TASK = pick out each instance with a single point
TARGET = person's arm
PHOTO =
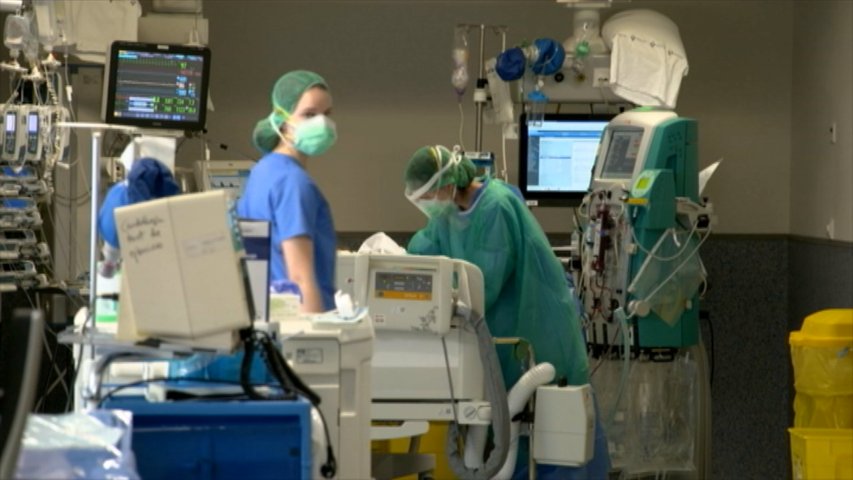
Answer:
(425, 241)
(298, 253)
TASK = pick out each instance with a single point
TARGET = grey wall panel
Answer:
(820, 276)
(748, 304)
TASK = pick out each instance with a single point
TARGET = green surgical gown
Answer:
(527, 294)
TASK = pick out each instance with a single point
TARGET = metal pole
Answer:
(93, 227)
(478, 127)
(73, 172)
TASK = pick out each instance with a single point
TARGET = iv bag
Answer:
(17, 32)
(459, 77)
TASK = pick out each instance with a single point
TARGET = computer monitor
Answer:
(556, 158)
(156, 86)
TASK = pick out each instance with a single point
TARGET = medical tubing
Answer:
(51, 92)
(650, 254)
(676, 269)
(517, 399)
(461, 125)
(475, 445)
(670, 231)
(503, 175)
(626, 357)
(495, 395)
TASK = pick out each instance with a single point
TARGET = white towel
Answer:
(381, 243)
(97, 23)
(645, 72)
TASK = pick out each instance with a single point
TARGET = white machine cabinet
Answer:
(333, 359)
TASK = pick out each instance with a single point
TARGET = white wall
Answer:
(388, 65)
(822, 172)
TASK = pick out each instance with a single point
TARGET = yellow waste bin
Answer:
(822, 453)
(433, 442)
(822, 355)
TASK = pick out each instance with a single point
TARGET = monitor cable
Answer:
(289, 381)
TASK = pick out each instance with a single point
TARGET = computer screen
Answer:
(556, 158)
(622, 151)
(157, 86)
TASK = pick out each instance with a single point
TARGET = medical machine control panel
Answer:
(403, 286)
(10, 128)
(223, 175)
(33, 135)
(409, 293)
(411, 297)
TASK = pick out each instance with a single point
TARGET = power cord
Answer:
(289, 381)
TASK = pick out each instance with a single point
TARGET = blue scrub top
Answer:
(281, 192)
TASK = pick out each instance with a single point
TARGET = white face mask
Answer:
(313, 136)
(434, 207)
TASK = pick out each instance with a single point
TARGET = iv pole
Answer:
(480, 96)
(97, 135)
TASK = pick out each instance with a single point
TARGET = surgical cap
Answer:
(428, 161)
(285, 95)
(148, 179)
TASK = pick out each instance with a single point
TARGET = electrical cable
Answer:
(450, 382)
(290, 383)
(226, 147)
(64, 250)
(48, 386)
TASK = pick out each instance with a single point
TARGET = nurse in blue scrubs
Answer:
(280, 190)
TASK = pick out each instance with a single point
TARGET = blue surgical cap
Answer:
(149, 179)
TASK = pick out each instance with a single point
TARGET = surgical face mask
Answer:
(434, 207)
(313, 136)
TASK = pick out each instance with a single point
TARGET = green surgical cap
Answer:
(427, 161)
(285, 95)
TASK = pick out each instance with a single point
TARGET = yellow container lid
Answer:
(826, 328)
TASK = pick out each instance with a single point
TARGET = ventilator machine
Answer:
(434, 360)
